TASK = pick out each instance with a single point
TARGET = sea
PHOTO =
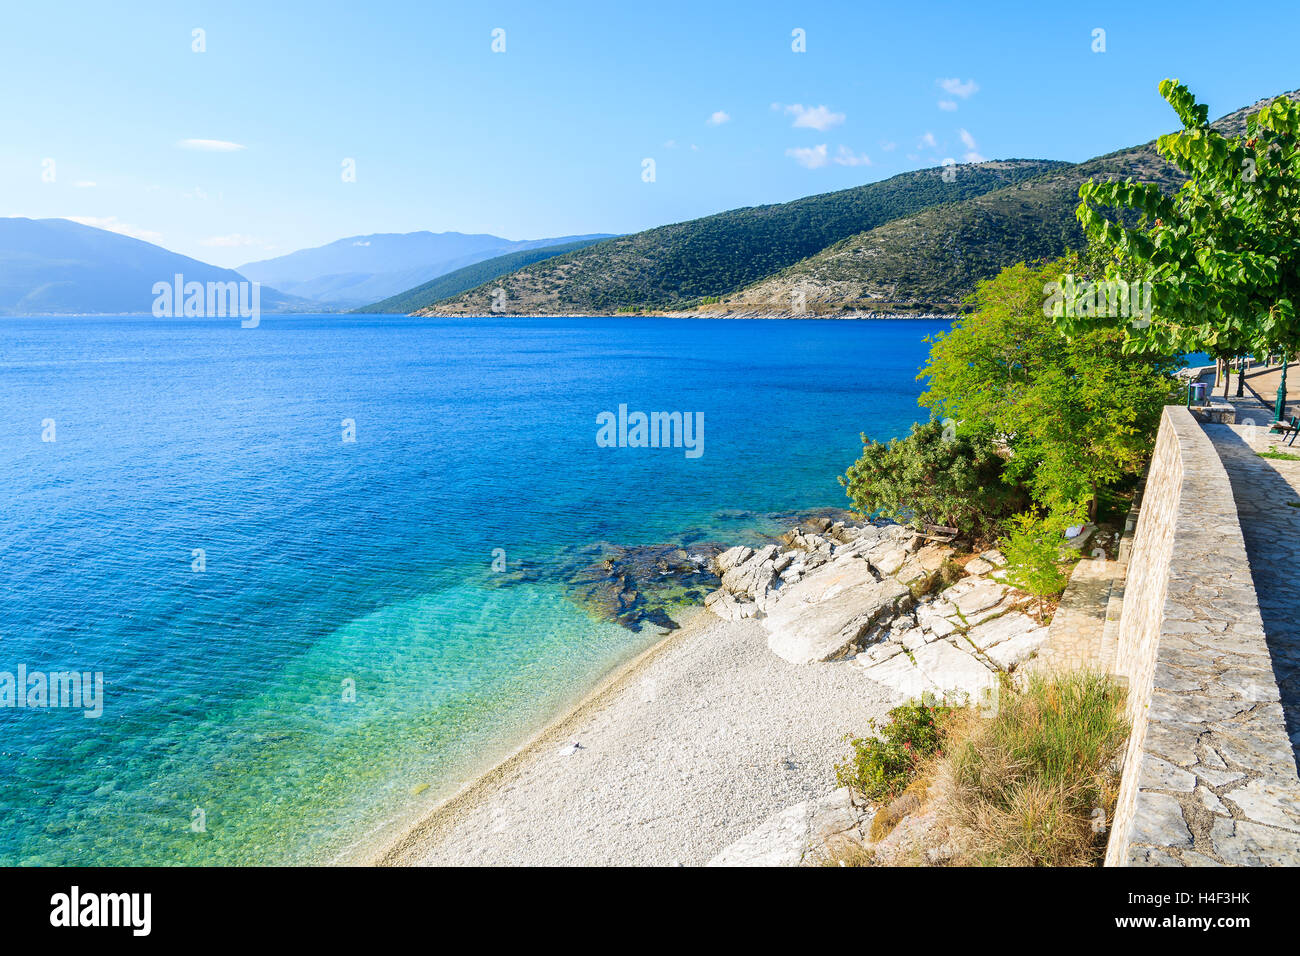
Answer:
(284, 553)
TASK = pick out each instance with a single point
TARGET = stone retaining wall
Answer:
(1207, 717)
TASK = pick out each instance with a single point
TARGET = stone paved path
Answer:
(1079, 638)
(1267, 494)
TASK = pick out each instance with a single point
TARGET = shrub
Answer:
(1036, 784)
(884, 765)
(1033, 552)
(936, 475)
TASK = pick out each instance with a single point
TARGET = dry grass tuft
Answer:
(1036, 784)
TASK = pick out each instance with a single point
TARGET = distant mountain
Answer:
(359, 270)
(454, 283)
(674, 266)
(60, 266)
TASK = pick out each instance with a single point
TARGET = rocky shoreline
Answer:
(718, 744)
(912, 613)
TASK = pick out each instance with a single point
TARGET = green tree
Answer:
(1034, 555)
(1075, 412)
(1223, 253)
(934, 476)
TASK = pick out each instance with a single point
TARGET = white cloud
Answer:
(889, 147)
(948, 105)
(211, 145)
(111, 224)
(85, 184)
(955, 87)
(671, 144)
(718, 118)
(927, 141)
(813, 157)
(972, 151)
(846, 157)
(819, 118)
(233, 241)
(361, 243)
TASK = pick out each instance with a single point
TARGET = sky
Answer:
(297, 124)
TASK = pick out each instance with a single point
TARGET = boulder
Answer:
(955, 672)
(941, 627)
(932, 557)
(1000, 629)
(807, 632)
(887, 558)
(899, 674)
(730, 607)
(808, 833)
(732, 557)
(984, 595)
(1014, 651)
(978, 566)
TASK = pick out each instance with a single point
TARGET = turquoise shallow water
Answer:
(333, 565)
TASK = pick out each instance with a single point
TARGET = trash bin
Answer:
(1197, 393)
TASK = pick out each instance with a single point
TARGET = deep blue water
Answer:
(333, 564)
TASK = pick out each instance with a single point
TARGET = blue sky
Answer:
(549, 137)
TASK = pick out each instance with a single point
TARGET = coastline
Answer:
(684, 749)
(756, 314)
(396, 851)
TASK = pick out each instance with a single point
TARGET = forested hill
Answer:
(672, 266)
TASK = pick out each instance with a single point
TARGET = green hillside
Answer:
(931, 260)
(673, 266)
(462, 280)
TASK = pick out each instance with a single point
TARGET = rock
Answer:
(932, 557)
(755, 578)
(941, 627)
(978, 566)
(955, 672)
(882, 652)
(900, 675)
(914, 639)
(728, 606)
(1013, 652)
(807, 633)
(981, 597)
(732, 557)
(999, 629)
(887, 560)
(994, 557)
(807, 833)
(1007, 604)
(911, 572)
